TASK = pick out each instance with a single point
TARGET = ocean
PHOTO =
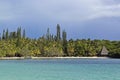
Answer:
(60, 69)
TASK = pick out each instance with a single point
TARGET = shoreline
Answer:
(22, 58)
(69, 57)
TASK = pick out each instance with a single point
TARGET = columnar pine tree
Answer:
(3, 35)
(0, 36)
(58, 33)
(24, 34)
(7, 34)
(64, 37)
(19, 32)
(48, 34)
(18, 37)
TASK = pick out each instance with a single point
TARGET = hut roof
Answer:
(104, 51)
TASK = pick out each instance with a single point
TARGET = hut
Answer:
(104, 51)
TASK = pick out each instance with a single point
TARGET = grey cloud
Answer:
(62, 10)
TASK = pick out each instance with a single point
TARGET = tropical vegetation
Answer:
(16, 44)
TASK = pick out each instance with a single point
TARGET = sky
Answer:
(95, 19)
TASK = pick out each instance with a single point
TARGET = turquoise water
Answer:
(60, 69)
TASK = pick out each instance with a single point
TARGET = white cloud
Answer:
(106, 11)
(62, 10)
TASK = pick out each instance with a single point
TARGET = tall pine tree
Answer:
(24, 34)
(64, 37)
(7, 34)
(3, 35)
(58, 33)
(48, 34)
(19, 32)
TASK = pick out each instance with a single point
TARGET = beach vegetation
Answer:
(17, 44)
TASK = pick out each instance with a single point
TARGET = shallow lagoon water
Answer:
(60, 69)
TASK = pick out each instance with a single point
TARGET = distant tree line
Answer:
(16, 44)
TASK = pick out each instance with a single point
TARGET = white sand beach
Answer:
(19, 58)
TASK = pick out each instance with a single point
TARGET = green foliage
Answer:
(70, 47)
(16, 44)
(115, 53)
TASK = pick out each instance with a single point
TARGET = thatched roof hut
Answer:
(104, 51)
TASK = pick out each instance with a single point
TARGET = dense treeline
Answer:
(16, 44)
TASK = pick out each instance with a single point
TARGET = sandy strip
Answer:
(11, 58)
(69, 57)
(19, 58)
